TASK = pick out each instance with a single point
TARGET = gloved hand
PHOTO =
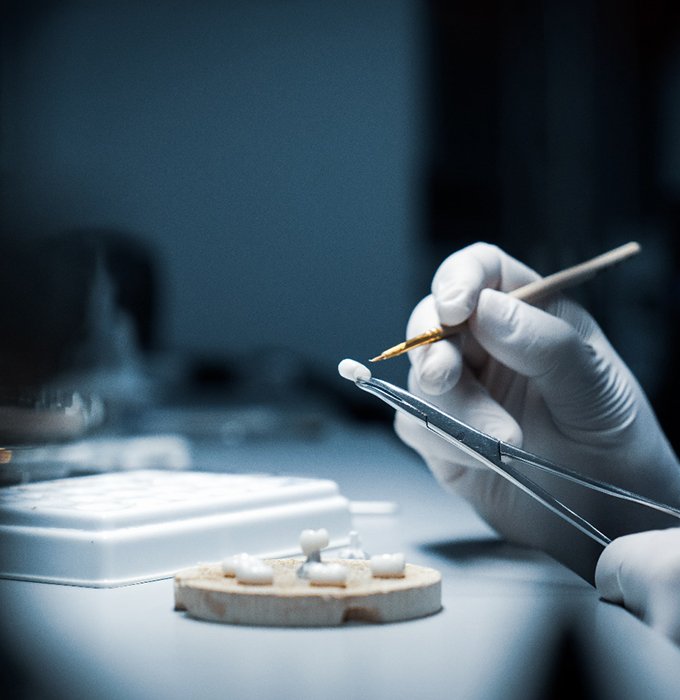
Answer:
(544, 379)
(642, 572)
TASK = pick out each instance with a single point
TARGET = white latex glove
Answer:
(642, 572)
(547, 380)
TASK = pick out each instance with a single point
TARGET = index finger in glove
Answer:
(460, 278)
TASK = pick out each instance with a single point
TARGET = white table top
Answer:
(505, 614)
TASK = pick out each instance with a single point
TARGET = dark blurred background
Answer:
(270, 184)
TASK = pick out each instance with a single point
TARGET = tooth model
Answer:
(311, 544)
(387, 565)
(254, 572)
(229, 564)
(327, 574)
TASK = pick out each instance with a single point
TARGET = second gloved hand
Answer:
(544, 379)
(642, 572)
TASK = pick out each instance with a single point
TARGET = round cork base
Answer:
(206, 593)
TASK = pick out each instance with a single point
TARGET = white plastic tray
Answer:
(127, 527)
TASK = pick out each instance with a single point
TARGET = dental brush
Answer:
(532, 292)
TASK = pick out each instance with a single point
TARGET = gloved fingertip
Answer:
(436, 380)
(438, 370)
(436, 367)
(454, 304)
(446, 472)
(607, 570)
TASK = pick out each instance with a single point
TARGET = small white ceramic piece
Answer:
(387, 565)
(320, 574)
(354, 550)
(354, 371)
(254, 571)
(311, 544)
(313, 540)
(230, 563)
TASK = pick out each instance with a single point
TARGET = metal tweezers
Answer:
(491, 452)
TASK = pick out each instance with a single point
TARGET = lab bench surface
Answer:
(514, 623)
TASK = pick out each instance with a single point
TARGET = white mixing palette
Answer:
(127, 527)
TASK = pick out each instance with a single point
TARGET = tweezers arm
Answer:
(479, 445)
(533, 460)
(537, 492)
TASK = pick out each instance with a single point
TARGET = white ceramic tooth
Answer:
(313, 540)
(353, 370)
(254, 571)
(230, 563)
(387, 565)
(327, 574)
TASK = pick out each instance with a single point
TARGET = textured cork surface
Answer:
(205, 593)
